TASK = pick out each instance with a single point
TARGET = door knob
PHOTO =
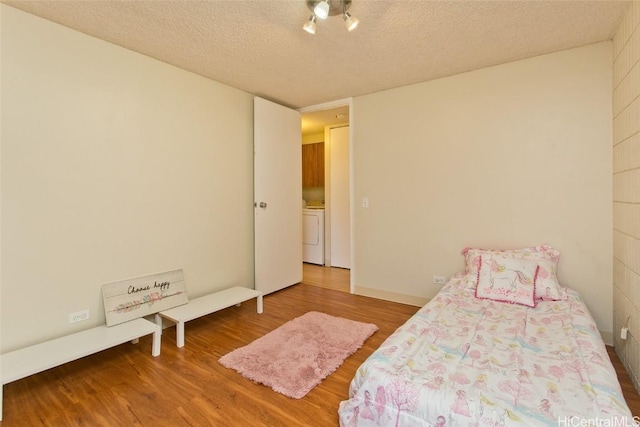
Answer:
(263, 205)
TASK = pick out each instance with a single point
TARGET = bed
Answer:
(502, 344)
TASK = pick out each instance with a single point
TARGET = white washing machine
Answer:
(313, 236)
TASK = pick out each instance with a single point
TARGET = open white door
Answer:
(277, 195)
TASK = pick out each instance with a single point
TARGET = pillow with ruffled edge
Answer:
(535, 252)
(549, 288)
(507, 279)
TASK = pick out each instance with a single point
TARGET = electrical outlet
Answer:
(623, 333)
(79, 316)
(439, 280)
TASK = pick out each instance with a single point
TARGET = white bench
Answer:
(31, 360)
(205, 305)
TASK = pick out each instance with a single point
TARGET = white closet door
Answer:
(340, 197)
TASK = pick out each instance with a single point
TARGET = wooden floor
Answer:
(338, 279)
(628, 390)
(125, 386)
(188, 387)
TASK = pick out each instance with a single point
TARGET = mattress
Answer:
(463, 361)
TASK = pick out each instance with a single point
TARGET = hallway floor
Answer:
(337, 279)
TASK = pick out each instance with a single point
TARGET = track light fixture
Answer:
(350, 21)
(310, 25)
(322, 9)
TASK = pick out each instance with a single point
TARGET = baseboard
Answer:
(391, 296)
(607, 337)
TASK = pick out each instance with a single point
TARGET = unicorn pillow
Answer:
(507, 279)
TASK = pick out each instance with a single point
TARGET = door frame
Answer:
(327, 106)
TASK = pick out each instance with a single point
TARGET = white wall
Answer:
(508, 156)
(626, 189)
(114, 165)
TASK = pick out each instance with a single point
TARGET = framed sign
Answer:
(129, 299)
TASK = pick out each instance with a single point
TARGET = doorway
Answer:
(317, 125)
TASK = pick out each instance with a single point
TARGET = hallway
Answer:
(337, 279)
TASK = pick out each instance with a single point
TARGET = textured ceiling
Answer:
(259, 46)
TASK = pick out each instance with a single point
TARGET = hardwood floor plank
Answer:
(125, 386)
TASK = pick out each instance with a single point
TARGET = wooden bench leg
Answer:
(158, 319)
(180, 334)
(259, 304)
(157, 340)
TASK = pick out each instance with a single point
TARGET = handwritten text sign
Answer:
(142, 296)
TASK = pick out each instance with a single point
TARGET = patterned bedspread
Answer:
(461, 361)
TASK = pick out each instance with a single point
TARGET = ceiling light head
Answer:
(350, 22)
(310, 25)
(321, 10)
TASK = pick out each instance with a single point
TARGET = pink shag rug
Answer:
(298, 355)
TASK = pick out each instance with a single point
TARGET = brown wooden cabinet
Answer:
(313, 165)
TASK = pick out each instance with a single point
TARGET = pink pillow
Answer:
(507, 279)
(547, 286)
